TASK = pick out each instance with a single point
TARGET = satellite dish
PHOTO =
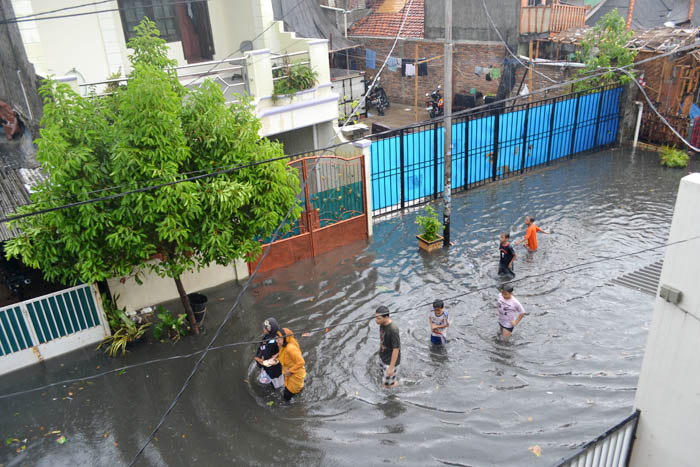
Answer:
(246, 46)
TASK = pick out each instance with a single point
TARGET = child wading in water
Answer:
(508, 255)
(510, 311)
(439, 323)
(530, 238)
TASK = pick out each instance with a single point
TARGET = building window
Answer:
(161, 12)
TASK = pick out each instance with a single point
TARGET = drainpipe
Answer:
(639, 122)
(345, 16)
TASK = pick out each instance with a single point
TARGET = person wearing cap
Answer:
(510, 311)
(293, 364)
(530, 237)
(389, 347)
(439, 322)
(267, 350)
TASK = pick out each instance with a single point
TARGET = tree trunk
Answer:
(186, 305)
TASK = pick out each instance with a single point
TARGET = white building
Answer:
(88, 45)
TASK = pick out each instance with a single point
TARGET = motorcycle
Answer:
(435, 103)
(378, 98)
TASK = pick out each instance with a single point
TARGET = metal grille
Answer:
(492, 143)
(645, 280)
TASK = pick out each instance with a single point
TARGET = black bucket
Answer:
(198, 302)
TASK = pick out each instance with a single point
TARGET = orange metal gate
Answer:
(334, 200)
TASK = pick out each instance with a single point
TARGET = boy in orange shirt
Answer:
(530, 238)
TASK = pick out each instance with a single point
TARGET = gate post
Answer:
(307, 211)
(364, 145)
(401, 169)
(524, 148)
(30, 325)
(436, 128)
(466, 152)
(551, 131)
(573, 133)
(100, 309)
(494, 155)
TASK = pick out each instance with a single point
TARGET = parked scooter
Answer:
(435, 103)
(378, 98)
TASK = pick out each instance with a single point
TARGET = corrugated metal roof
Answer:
(13, 193)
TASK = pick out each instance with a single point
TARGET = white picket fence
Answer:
(50, 325)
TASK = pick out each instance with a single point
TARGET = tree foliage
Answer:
(604, 48)
(151, 131)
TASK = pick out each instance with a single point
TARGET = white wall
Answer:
(668, 394)
(155, 289)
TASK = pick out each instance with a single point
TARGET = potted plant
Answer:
(124, 330)
(429, 239)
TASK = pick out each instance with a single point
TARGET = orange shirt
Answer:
(531, 236)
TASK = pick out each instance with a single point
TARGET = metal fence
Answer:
(611, 449)
(350, 86)
(488, 144)
(50, 325)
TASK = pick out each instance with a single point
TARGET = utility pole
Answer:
(447, 109)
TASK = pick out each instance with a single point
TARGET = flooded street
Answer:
(568, 374)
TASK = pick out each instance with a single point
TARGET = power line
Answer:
(345, 323)
(59, 10)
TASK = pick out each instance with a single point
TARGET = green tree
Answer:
(152, 130)
(604, 48)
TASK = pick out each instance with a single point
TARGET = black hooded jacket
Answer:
(268, 347)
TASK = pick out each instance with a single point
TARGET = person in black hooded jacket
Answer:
(266, 350)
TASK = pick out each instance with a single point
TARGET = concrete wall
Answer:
(13, 59)
(155, 289)
(668, 394)
(469, 20)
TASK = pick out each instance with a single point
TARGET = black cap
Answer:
(382, 311)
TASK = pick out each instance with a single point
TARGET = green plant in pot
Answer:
(124, 330)
(168, 326)
(429, 239)
(674, 158)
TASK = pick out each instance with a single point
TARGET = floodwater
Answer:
(568, 374)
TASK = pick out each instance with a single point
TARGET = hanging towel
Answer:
(370, 59)
(477, 71)
(404, 64)
(410, 69)
(392, 64)
(495, 73)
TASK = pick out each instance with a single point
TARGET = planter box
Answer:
(429, 246)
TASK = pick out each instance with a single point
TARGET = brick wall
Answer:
(467, 56)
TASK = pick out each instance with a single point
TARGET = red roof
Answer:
(388, 24)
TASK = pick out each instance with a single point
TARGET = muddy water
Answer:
(568, 374)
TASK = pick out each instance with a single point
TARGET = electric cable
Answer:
(347, 323)
(58, 10)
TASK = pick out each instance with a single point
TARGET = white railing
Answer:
(230, 74)
(611, 449)
(282, 64)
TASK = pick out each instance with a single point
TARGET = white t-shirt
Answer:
(438, 321)
(508, 311)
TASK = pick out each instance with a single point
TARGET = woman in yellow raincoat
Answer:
(293, 364)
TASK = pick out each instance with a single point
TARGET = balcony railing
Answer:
(611, 449)
(551, 18)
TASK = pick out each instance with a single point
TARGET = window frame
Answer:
(166, 5)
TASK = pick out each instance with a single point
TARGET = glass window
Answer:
(162, 12)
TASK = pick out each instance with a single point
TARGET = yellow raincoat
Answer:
(291, 359)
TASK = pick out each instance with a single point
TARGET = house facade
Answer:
(237, 43)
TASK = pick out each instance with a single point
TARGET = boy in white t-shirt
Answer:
(510, 311)
(439, 322)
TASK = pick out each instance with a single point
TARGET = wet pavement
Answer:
(568, 374)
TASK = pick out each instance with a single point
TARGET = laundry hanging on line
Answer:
(370, 59)
(422, 67)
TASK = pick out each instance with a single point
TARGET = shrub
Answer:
(674, 158)
(296, 78)
(429, 224)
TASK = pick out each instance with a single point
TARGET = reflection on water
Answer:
(567, 374)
